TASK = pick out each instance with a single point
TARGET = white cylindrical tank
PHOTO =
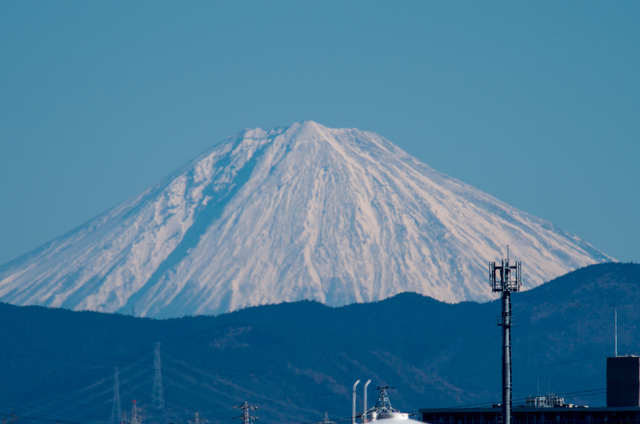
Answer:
(394, 418)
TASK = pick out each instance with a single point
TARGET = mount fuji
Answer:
(305, 212)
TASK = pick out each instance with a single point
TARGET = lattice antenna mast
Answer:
(198, 420)
(116, 411)
(506, 278)
(246, 413)
(326, 419)
(158, 392)
(383, 404)
(136, 418)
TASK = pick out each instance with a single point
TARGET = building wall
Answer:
(579, 415)
(623, 381)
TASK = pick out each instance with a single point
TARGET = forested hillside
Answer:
(296, 361)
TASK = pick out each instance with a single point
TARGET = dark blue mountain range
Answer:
(297, 360)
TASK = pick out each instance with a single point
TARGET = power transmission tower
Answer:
(124, 418)
(506, 278)
(116, 411)
(158, 392)
(14, 418)
(136, 418)
(198, 420)
(326, 419)
(246, 413)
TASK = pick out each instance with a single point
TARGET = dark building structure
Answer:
(623, 381)
(623, 404)
(533, 415)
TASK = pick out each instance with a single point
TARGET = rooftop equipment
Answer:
(383, 408)
(550, 401)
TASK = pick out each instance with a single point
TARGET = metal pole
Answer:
(507, 283)
(616, 333)
(364, 410)
(353, 415)
(506, 356)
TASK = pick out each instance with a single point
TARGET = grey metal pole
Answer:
(510, 281)
(353, 415)
(364, 410)
(506, 356)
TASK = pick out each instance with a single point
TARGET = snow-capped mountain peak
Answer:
(304, 212)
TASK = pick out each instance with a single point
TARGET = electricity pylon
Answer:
(136, 418)
(198, 420)
(246, 413)
(158, 392)
(116, 410)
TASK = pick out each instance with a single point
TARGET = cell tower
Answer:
(506, 278)
(198, 420)
(246, 413)
(116, 411)
(158, 392)
(136, 418)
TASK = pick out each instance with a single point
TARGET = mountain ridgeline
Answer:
(297, 360)
(337, 216)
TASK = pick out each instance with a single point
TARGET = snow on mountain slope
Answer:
(305, 212)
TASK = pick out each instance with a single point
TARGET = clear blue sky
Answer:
(536, 103)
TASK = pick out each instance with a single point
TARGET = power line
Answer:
(580, 393)
(144, 364)
(498, 372)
